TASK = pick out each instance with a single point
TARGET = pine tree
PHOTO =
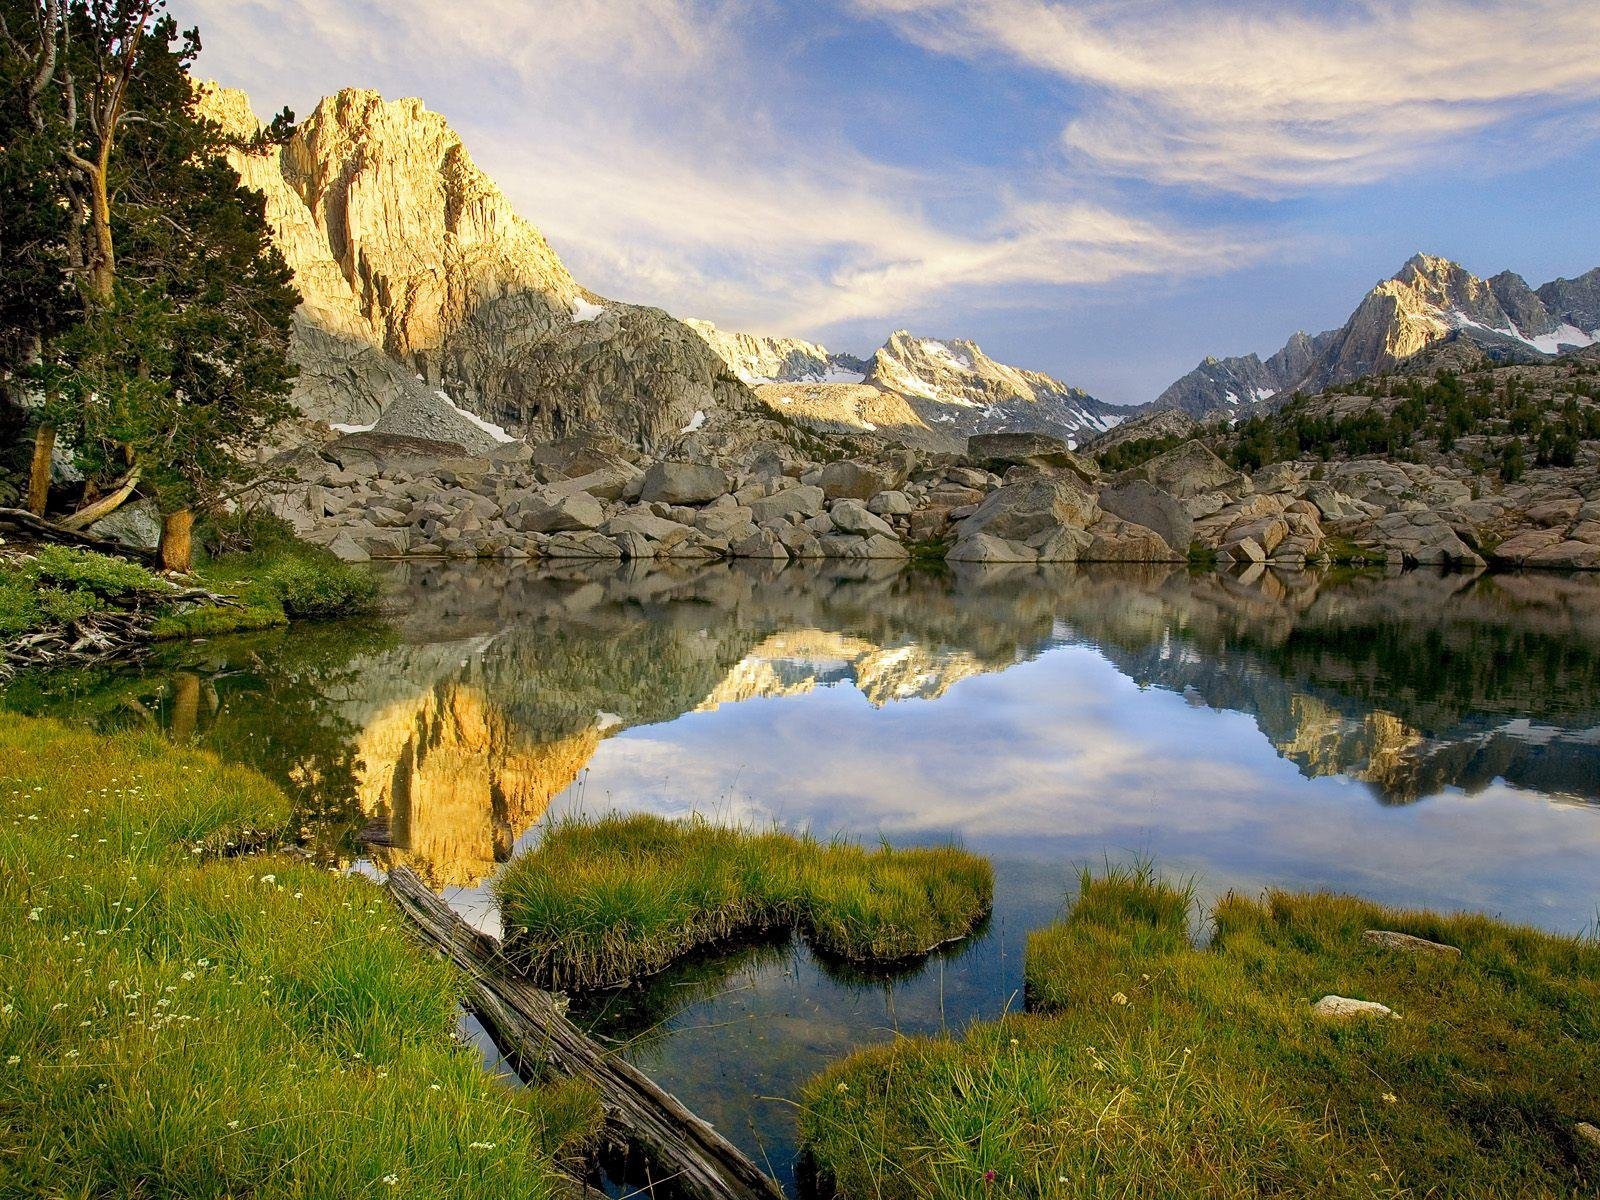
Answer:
(177, 367)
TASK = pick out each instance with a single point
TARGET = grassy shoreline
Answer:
(1148, 1066)
(93, 606)
(599, 904)
(178, 1022)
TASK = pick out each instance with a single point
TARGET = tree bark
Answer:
(44, 445)
(105, 506)
(175, 549)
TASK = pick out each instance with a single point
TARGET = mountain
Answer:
(758, 360)
(956, 385)
(916, 390)
(1429, 301)
(422, 285)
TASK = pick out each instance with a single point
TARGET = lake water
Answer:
(1421, 739)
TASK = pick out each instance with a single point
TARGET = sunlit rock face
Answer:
(457, 782)
(401, 245)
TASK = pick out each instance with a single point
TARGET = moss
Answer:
(1151, 1067)
(602, 903)
(176, 1023)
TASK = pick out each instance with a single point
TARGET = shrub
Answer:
(322, 587)
(99, 574)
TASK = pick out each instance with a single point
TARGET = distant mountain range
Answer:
(1428, 301)
(431, 308)
(949, 387)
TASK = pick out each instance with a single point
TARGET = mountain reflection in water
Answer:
(450, 734)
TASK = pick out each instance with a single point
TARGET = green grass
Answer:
(1153, 1068)
(601, 903)
(177, 1023)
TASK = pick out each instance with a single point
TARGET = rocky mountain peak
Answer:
(1430, 300)
(421, 282)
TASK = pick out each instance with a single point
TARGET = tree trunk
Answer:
(105, 506)
(102, 254)
(175, 530)
(44, 445)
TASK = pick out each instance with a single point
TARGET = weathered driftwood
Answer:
(528, 1026)
(22, 524)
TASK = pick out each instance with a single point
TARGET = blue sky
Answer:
(1103, 190)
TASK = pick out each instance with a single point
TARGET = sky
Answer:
(1106, 190)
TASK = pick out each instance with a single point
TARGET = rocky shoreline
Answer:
(1012, 498)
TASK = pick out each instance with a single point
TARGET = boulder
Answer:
(137, 524)
(802, 501)
(606, 483)
(890, 504)
(1038, 450)
(1188, 470)
(851, 516)
(1022, 510)
(849, 480)
(346, 549)
(987, 548)
(641, 522)
(683, 483)
(1143, 503)
(1116, 540)
(559, 514)
(837, 545)
(760, 544)
(581, 545)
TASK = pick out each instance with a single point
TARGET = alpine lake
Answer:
(1421, 739)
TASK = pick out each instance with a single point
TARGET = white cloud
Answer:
(640, 138)
(1273, 99)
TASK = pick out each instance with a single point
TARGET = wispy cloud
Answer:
(641, 139)
(1277, 99)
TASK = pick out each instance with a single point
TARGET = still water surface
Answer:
(1421, 739)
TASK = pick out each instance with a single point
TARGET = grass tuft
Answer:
(601, 903)
(1153, 1068)
(174, 1023)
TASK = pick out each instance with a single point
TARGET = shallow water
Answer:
(1421, 739)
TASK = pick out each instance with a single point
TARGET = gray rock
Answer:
(851, 481)
(851, 516)
(137, 524)
(1038, 450)
(1405, 941)
(1018, 511)
(577, 510)
(683, 483)
(987, 548)
(890, 504)
(802, 501)
(1143, 503)
(347, 549)
(644, 523)
(581, 545)
(1188, 470)
(760, 544)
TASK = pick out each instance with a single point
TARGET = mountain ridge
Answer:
(1429, 300)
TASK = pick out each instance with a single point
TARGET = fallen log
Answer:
(526, 1023)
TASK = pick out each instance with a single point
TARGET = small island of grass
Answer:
(602, 903)
(1153, 1068)
(178, 1022)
